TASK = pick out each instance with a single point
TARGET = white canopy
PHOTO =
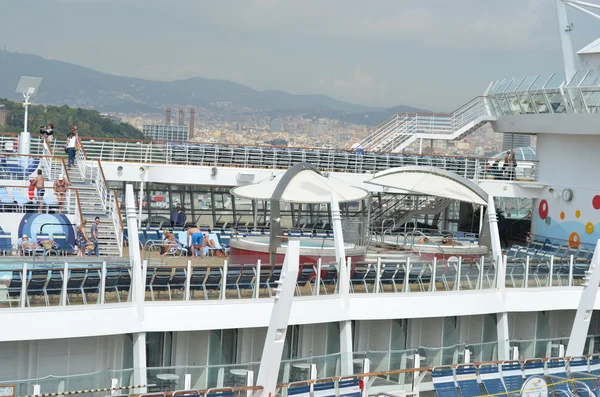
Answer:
(306, 187)
(432, 181)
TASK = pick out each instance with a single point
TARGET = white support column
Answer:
(249, 382)
(63, 291)
(268, 371)
(223, 293)
(24, 286)
(494, 233)
(188, 278)
(138, 281)
(318, 278)
(102, 294)
(564, 30)
(346, 348)
(141, 203)
(257, 279)
(583, 315)
(503, 337)
(366, 369)
(114, 383)
(340, 251)
(139, 361)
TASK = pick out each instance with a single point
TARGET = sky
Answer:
(432, 54)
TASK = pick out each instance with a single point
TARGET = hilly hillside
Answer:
(89, 122)
(65, 83)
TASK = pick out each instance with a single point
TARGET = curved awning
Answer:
(431, 181)
(306, 187)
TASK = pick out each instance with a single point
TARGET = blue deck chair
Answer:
(594, 364)
(5, 243)
(533, 367)
(557, 371)
(61, 240)
(349, 386)
(324, 388)
(466, 378)
(579, 371)
(491, 379)
(225, 392)
(297, 389)
(512, 376)
(443, 382)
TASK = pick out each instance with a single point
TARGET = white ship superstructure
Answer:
(422, 281)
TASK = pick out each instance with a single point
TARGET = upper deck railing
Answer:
(546, 93)
(275, 158)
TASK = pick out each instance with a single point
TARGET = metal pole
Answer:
(141, 203)
(564, 29)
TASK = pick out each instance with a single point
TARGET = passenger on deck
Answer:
(169, 242)
(195, 239)
(60, 188)
(181, 217)
(25, 243)
(71, 145)
(424, 240)
(40, 190)
(174, 214)
(81, 239)
(449, 242)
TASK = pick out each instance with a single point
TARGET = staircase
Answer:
(397, 209)
(401, 130)
(91, 207)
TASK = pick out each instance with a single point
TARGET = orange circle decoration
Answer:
(577, 214)
(596, 202)
(543, 209)
(574, 240)
(589, 228)
(562, 215)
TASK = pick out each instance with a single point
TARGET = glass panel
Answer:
(542, 332)
(154, 349)
(592, 79)
(513, 103)
(449, 338)
(557, 101)
(540, 82)
(514, 84)
(540, 102)
(576, 100)
(526, 103)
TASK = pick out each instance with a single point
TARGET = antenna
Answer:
(27, 86)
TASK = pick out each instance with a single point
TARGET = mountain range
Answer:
(68, 84)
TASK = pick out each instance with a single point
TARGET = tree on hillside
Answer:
(89, 122)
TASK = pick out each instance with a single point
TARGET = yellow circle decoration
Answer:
(589, 228)
(577, 214)
(562, 215)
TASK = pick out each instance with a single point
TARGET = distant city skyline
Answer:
(431, 54)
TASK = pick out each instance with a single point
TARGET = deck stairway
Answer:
(401, 130)
(397, 209)
(87, 178)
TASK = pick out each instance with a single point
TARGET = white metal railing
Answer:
(401, 130)
(215, 155)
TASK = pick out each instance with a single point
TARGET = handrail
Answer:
(66, 171)
(79, 207)
(118, 204)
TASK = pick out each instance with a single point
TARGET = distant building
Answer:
(277, 142)
(163, 132)
(510, 141)
(276, 125)
(2, 116)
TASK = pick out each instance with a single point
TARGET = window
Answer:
(158, 349)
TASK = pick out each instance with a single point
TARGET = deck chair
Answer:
(557, 374)
(579, 371)
(512, 376)
(595, 364)
(491, 379)
(443, 382)
(466, 378)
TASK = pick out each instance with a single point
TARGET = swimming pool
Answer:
(433, 246)
(252, 248)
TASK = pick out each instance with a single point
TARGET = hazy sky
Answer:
(434, 54)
